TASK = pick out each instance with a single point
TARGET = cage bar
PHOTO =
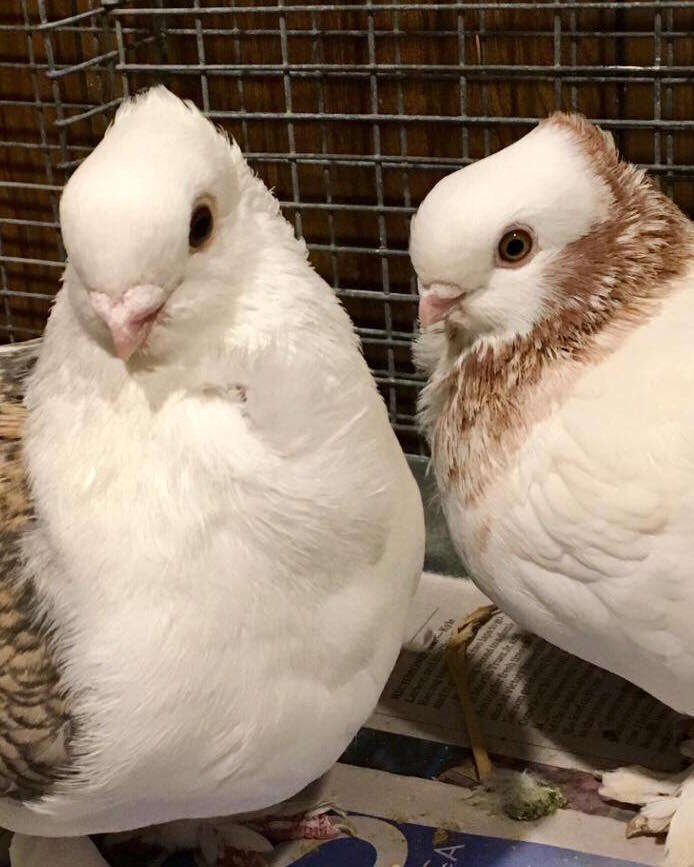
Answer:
(350, 111)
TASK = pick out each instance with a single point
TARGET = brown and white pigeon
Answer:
(557, 314)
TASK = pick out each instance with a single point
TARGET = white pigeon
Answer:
(557, 308)
(225, 533)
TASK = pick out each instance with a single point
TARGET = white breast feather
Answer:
(591, 542)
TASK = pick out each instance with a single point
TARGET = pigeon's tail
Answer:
(15, 503)
(11, 420)
(34, 719)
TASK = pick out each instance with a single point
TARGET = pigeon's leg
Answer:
(233, 842)
(214, 842)
(667, 805)
(62, 852)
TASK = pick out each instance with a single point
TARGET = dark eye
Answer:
(515, 246)
(201, 224)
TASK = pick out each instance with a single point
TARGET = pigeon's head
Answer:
(149, 222)
(487, 239)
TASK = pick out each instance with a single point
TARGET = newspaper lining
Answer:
(534, 701)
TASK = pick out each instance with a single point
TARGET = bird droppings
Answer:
(519, 795)
(528, 798)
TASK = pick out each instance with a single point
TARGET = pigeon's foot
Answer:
(323, 822)
(207, 843)
(667, 805)
(228, 842)
(64, 852)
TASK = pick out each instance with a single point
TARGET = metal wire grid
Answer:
(350, 110)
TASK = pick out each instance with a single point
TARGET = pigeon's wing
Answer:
(598, 518)
(34, 720)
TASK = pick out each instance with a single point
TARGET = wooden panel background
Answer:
(351, 113)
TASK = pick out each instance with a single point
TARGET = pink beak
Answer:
(129, 318)
(435, 302)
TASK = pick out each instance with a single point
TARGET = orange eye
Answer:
(515, 246)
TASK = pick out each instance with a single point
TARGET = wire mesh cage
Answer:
(350, 110)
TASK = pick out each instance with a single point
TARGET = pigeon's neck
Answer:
(277, 300)
(479, 407)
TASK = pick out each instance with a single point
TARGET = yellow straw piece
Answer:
(456, 658)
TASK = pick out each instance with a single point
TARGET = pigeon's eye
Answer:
(515, 246)
(201, 225)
